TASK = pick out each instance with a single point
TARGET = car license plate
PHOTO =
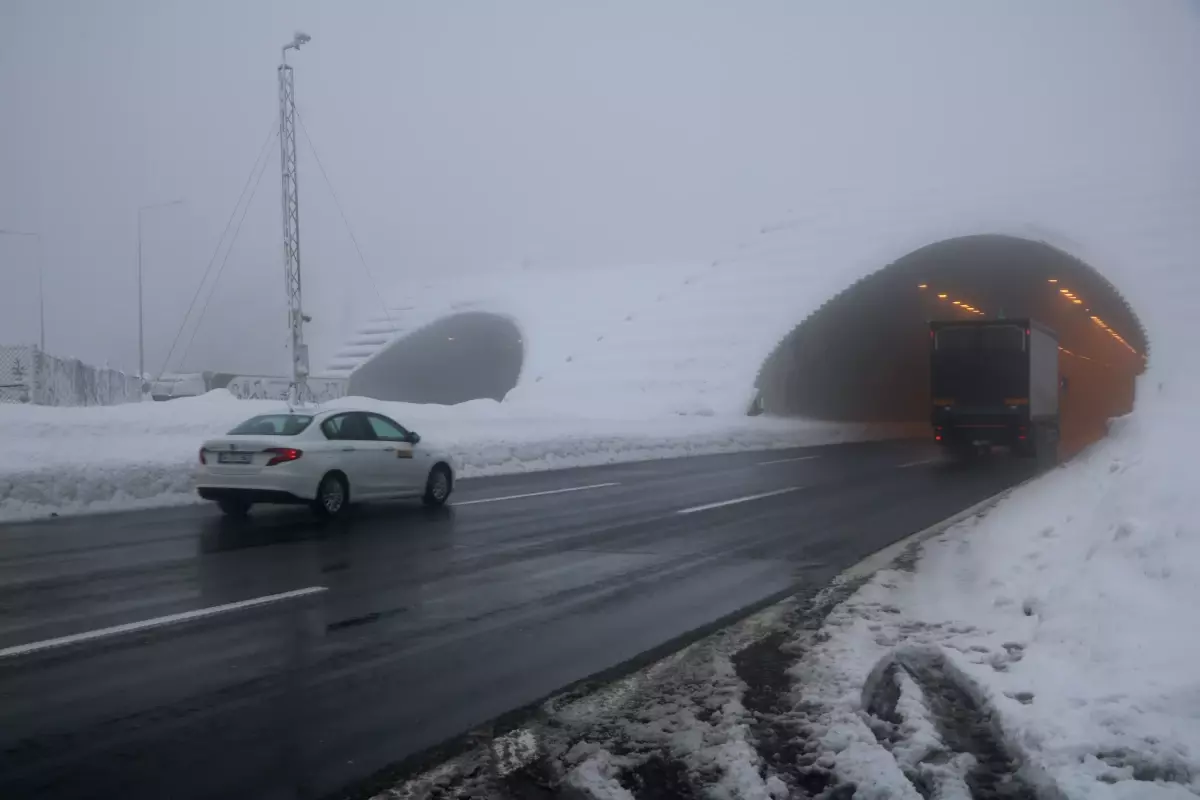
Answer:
(234, 458)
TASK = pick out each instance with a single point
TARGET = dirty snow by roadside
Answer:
(79, 460)
(1066, 610)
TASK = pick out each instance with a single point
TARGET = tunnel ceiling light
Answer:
(1052, 280)
(942, 296)
(922, 285)
(958, 302)
(1077, 301)
(1065, 291)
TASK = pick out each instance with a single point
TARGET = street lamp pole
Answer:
(41, 284)
(141, 325)
(291, 222)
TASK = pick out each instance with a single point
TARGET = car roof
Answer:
(328, 412)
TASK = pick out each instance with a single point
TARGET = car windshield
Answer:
(273, 425)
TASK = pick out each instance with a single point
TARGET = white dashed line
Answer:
(746, 499)
(918, 463)
(534, 494)
(786, 460)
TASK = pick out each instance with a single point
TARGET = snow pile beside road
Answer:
(1053, 630)
(57, 460)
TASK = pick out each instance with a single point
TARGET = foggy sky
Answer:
(477, 136)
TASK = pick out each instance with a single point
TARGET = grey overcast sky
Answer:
(468, 136)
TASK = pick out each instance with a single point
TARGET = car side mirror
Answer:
(413, 437)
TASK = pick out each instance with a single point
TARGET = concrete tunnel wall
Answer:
(863, 356)
(468, 356)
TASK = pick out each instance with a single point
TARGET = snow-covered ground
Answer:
(71, 460)
(1067, 610)
(1041, 649)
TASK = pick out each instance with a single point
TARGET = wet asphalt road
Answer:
(434, 621)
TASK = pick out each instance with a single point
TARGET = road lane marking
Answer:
(786, 460)
(918, 463)
(747, 499)
(535, 494)
(158, 622)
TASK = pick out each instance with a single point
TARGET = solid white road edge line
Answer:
(785, 460)
(534, 494)
(158, 622)
(736, 500)
(918, 463)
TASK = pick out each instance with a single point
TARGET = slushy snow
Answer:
(72, 460)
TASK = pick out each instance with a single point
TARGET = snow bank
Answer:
(58, 460)
(1065, 610)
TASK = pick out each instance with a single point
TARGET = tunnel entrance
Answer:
(864, 356)
(469, 356)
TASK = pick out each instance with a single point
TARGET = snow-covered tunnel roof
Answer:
(691, 338)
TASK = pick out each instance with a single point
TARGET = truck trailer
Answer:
(995, 382)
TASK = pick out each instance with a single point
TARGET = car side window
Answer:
(357, 428)
(385, 430)
(332, 427)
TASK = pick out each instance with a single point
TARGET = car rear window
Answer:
(273, 425)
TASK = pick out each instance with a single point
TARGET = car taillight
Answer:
(281, 455)
(203, 460)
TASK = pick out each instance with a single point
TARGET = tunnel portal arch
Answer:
(468, 356)
(863, 356)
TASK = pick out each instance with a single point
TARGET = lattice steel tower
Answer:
(291, 223)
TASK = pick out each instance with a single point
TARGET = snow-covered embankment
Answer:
(1064, 612)
(60, 460)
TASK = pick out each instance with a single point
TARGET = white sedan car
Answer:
(324, 459)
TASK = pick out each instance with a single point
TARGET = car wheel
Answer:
(333, 495)
(234, 508)
(437, 487)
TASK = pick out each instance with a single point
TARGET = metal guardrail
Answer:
(137, 708)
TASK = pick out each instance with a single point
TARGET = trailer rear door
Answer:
(980, 366)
